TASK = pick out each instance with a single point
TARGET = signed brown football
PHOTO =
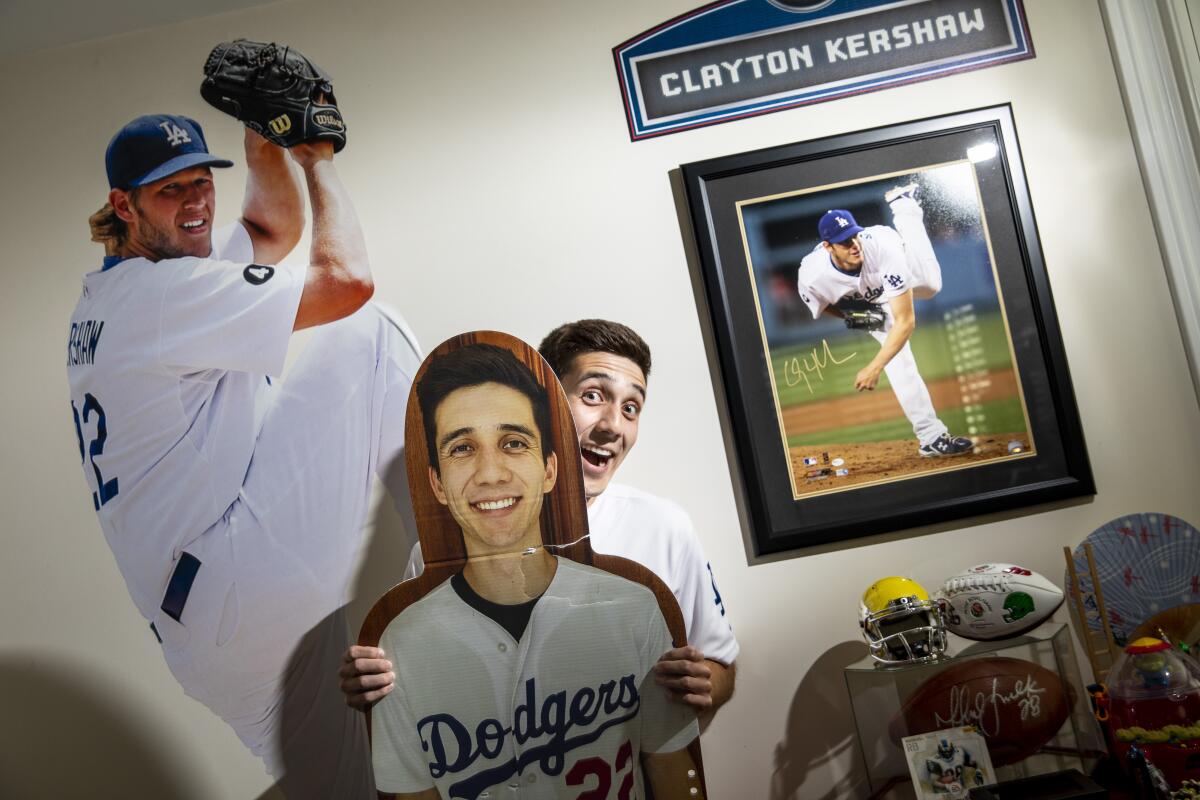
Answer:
(1017, 705)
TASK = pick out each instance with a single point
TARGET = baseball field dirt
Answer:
(885, 461)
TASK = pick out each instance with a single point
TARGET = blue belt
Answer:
(178, 589)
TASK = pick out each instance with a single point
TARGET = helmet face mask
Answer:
(900, 623)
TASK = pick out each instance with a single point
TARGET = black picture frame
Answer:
(1056, 469)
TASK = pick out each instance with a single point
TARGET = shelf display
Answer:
(1022, 694)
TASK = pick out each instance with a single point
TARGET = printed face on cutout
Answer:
(847, 255)
(493, 474)
(171, 217)
(606, 393)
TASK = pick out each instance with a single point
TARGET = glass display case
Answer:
(888, 701)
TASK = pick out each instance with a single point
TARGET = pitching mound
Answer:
(829, 467)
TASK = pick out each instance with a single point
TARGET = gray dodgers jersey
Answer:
(480, 715)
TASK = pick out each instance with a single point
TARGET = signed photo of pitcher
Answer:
(522, 658)
(881, 318)
(883, 330)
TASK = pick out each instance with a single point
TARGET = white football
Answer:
(994, 601)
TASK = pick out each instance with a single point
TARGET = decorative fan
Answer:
(1146, 564)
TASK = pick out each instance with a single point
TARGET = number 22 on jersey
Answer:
(598, 768)
(92, 411)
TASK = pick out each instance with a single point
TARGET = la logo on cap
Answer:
(175, 134)
(842, 222)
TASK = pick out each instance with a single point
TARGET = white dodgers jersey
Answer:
(884, 273)
(658, 534)
(167, 363)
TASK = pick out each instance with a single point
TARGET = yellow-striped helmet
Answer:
(900, 623)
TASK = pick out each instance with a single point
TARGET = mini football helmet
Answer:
(900, 623)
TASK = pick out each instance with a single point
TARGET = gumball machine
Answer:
(1154, 704)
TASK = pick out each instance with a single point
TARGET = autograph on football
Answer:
(983, 710)
(798, 368)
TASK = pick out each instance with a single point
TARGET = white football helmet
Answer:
(900, 623)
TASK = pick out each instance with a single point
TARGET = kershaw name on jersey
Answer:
(82, 342)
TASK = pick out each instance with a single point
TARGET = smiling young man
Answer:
(524, 670)
(603, 367)
(234, 506)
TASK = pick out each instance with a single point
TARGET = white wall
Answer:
(491, 166)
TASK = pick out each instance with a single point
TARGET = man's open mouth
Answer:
(596, 456)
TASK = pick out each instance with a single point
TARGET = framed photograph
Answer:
(886, 337)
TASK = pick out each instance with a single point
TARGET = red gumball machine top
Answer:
(1151, 669)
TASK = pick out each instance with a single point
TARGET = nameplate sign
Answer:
(739, 58)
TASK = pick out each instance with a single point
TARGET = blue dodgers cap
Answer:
(155, 146)
(837, 226)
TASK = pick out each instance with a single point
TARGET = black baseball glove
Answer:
(275, 91)
(868, 319)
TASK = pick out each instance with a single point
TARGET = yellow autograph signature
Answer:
(797, 368)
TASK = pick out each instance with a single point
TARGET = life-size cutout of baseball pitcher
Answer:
(522, 661)
(233, 504)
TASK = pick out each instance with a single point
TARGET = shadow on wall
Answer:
(386, 551)
(392, 534)
(63, 736)
(820, 733)
(273, 793)
(314, 700)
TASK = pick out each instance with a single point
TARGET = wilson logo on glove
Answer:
(329, 121)
(281, 124)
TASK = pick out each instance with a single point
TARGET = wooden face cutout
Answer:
(564, 511)
(521, 656)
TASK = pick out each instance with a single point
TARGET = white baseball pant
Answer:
(265, 628)
(908, 218)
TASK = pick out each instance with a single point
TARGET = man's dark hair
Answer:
(564, 343)
(473, 365)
